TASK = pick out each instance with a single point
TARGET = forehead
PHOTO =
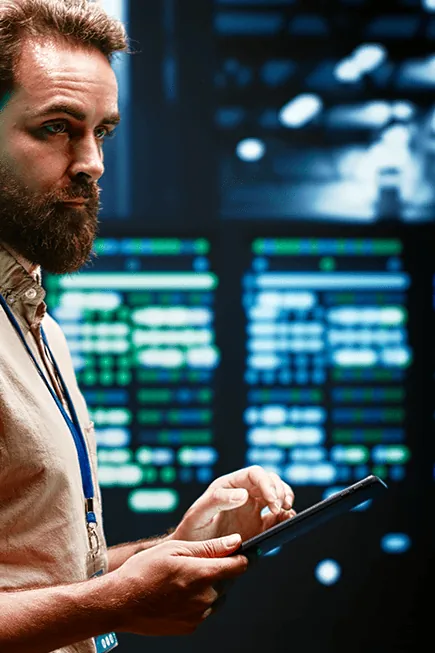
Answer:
(59, 74)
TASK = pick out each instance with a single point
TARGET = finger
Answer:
(245, 478)
(218, 604)
(226, 499)
(262, 480)
(270, 519)
(219, 500)
(284, 491)
(289, 494)
(223, 586)
(279, 488)
(227, 568)
(256, 481)
(214, 548)
(207, 613)
(211, 595)
(213, 501)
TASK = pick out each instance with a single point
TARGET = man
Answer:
(58, 583)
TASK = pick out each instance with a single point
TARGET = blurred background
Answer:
(264, 294)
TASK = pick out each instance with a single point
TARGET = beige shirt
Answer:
(43, 535)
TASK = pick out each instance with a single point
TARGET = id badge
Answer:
(107, 642)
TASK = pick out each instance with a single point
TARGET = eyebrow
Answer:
(113, 119)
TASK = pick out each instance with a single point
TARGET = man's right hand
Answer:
(170, 588)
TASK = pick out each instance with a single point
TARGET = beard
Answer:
(43, 230)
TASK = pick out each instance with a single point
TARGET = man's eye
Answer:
(63, 124)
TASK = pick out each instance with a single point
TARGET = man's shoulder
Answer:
(53, 330)
(51, 325)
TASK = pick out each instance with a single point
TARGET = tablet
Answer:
(336, 504)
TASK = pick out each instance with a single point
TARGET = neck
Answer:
(31, 268)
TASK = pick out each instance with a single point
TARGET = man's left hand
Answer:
(234, 503)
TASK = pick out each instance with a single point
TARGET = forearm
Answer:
(43, 620)
(119, 553)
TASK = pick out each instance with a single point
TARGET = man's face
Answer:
(41, 156)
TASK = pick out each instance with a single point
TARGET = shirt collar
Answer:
(20, 285)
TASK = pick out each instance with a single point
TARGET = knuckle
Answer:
(181, 583)
(210, 551)
(172, 569)
(201, 575)
(216, 494)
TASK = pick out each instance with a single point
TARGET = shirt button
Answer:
(11, 300)
(31, 293)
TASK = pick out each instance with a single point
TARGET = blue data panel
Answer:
(325, 111)
(327, 359)
(140, 329)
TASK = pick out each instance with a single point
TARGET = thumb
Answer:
(218, 547)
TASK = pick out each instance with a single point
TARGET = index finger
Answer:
(255, 479)
(262, 487)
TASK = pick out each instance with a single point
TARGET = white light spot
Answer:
(347, 71)
(327, 572)
(299, 111)
(369, 56)
(250, 149)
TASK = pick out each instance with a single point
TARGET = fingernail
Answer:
(232, 540)
(238, 495)
(289, 500)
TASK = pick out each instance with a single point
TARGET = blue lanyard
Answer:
(74, 427)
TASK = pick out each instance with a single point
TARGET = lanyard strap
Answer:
(74, 427)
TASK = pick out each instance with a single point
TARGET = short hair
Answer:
(78, 23)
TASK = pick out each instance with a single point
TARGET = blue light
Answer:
(301, 110)
(417, 73)
(230, 117)
(395, 543)
(250, 149)
(277, 71)
(273, 552)
(367, 115)
(429, 5)
(369, 56)
(248, 23)
(327, 572)
(200, 264)
(365, 505)
(332, 490)
(403, 110)
(347, 71)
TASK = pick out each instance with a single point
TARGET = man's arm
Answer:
(42, 620)
(119, 553)
(168, 590)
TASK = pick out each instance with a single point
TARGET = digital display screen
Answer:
(327, 359)
(324, 111)
(140, 329)
(323, 391)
